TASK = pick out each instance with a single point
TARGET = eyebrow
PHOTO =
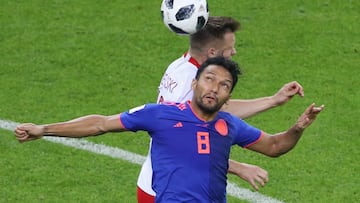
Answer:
(230, 81)
(213, 73)
(209, 71)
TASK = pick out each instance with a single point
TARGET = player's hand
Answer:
(287, 92)
(250, 173)
(28, 131)
(254, 175)
(309, 115)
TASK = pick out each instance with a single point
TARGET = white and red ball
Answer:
(184, 17)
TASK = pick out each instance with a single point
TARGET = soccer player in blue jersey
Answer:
(191, 140)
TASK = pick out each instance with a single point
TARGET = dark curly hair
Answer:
(228, 64)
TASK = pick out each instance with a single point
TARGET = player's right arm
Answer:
(90, 125)
(253, 174)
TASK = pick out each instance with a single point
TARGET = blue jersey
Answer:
(189, 155)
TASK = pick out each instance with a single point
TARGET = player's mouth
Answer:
(210, 98)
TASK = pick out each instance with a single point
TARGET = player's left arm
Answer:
(281, 143)
(247, 108)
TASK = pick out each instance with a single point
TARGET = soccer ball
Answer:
(184, 17)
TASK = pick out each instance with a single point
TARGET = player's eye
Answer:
(225, 86)
(209, 78)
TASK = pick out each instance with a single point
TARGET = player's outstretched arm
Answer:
(281, 143)
(254, 175)
(91, 125)
(247, 108)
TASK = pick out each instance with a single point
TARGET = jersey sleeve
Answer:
(245, 134)
(139, 118)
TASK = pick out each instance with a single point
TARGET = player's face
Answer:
(227, 48)
(212, 89)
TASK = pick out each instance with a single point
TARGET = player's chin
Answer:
(211, 107)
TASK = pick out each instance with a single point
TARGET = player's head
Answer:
(217, 38)
(214, 82)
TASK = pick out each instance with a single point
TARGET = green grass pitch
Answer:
(64, 59)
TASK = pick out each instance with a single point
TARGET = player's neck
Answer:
(198, 56)
(202, 115)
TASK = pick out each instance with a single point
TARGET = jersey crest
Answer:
(221, 127)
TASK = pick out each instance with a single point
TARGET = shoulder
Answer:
(227, 116)
(157, 107)
(150, 107)
(232, 120)
(181, 66)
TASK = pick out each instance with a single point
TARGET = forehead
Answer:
(218, 71)
(230, 37)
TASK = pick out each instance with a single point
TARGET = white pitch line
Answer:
(99, 149)
(232, 189)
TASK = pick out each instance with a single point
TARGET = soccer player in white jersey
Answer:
(216, 39)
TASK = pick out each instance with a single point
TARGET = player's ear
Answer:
(193, 84)
(211, 52)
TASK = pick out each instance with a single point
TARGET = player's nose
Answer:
(233, 52)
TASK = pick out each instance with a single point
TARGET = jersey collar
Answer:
(191, 60)
(188, 103)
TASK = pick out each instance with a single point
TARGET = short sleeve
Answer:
(139, 118)
(245, 134)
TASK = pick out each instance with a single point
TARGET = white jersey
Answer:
(175, 86)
